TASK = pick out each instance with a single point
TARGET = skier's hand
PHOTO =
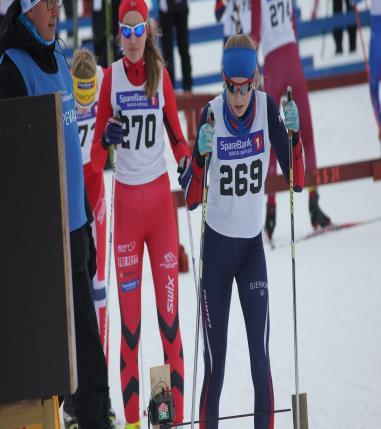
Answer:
(114, 133)
(291, 116)
(205, 139)
(185, 171)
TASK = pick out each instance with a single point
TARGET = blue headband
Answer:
(239, 62)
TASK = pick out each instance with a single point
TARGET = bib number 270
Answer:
(138, 122)
(236, 181)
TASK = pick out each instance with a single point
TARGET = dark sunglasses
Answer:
(138, 29)
(243, 87)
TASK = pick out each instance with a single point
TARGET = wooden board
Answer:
(37, 334)
(160, 376)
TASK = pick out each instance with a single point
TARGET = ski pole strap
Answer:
(237, 416)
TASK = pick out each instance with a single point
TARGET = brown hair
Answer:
(244, 41)
(84, 64)
(154, 63)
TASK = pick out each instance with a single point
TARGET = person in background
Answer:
(272, 26)
(136, 102)
(375, 60)
(87, 77)
(338, 31)
(31, 64)
(172, 17)
(235, 15)
(237, 138)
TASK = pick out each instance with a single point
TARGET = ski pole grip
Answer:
(289, 93)
(289, 98)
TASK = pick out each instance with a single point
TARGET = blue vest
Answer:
(38, 82)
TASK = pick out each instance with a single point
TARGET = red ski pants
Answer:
(95, 189)
(283, 67)
(144, 214)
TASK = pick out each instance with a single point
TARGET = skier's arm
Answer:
(256, 20)
(98, 153)
(171, 121)
(193, 192)
(11, 81)
(279, 141)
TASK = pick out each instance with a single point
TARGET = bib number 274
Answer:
(241, 178)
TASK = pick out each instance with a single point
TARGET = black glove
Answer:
(185, 171)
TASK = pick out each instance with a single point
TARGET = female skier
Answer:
(246, 123)
(272, 25)
(136, 102)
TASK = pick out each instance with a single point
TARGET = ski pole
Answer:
(210, 117)
(109, 253)
(237, 416)
(289, 97)
(111, 228)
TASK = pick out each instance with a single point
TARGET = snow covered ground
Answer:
(338, 279)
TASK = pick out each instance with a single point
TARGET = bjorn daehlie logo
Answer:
(170, 261)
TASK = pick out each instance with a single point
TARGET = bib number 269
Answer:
(238, 180)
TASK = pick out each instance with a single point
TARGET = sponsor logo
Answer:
(126, 261)
(236, 148)
(123, 275)
(69, 116)
(206, 311)
(102, 212)
(163, 411)
(130, 100)
(129, 247)
(170, 260)
(131, 285)
(260, 286)
(170, 286)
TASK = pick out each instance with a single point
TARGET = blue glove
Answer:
(291, 116)
(185, 171)
(205, 139)
(113, 134)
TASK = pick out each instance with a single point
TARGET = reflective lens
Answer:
(51, 4)
(243, 87)
(138, 29)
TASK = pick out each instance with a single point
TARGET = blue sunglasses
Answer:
(138, 29)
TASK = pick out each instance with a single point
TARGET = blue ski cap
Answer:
(239, 62)
(28, 4)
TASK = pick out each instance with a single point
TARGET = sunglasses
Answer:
(51, 4)
(243, 87)
(138, 29)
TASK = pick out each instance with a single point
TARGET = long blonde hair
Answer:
(244, 41)
(84, 64)
(154, 63)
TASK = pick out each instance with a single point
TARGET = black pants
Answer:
(91, 398)
(176, 20)
(98, 20)
(338, 32)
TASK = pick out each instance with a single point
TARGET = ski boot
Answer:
(318, 218)
(136, 425)
(270, 219)
(70, 422)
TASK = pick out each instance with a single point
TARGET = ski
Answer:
(333, 227)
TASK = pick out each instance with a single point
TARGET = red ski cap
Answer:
(136, 5)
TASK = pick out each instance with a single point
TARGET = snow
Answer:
(338, 281)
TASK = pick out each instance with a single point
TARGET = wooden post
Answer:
(41, 413)
(302, 409)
